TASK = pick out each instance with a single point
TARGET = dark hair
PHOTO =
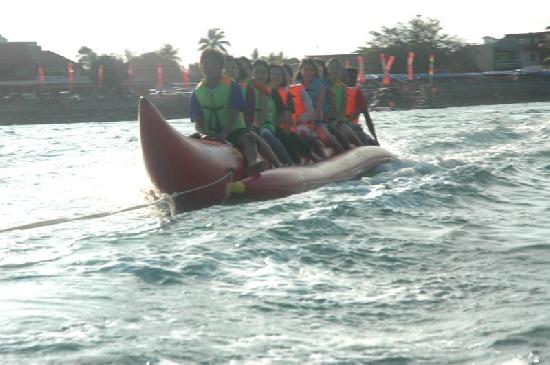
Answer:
(334, 60)
(243, 59)
(213, 54)
(279, 67)
(306, 61)
(229, 59)
(321, 63)
(260, 63)
(352, 72)
(288, 68)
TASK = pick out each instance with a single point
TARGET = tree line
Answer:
(423, 36)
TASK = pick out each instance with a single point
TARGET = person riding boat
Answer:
(339, 100)
(234, 70)
(216, 106)
(301, 113)
(308, 75)
(285, 127)
(264, 110)
(357, 104)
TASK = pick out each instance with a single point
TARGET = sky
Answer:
(296, 28)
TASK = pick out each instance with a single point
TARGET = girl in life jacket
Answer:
(264, 110)
(234, 70)
(339, 100)
(301, 110)
(283, 106)
(356, 103)
(308, 76)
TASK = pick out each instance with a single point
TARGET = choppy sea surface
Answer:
(441, 257)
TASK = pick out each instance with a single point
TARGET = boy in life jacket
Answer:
(355, 105)
(216, 109)
(339, 99)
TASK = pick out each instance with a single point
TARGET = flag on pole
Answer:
(410, 70)
(100, 76)
(389, 64)
(431, 69)
(361, 73)
(383, 62)
(70, 75)
(185, 76)
(160, 78)
(41, 74)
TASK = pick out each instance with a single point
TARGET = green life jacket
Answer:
(271, 112)
(215, 107)
(339, 89)
(270, 107)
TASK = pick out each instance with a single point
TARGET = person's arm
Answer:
(250, 111)
(363, 108)
(341, 114)
(280, 117)
(331, 101)
(319, 103)
(262, 116)
(195, 113)
(236, 106)
(309, 113)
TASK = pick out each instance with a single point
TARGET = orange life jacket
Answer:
(299, 108)
(283, 93)
(351, 104)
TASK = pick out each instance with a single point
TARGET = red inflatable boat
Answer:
(203, 173)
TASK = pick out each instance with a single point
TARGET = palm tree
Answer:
(214, 39)
(169, 52)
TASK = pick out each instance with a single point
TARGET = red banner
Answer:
(410, 70)
(389, 64)
(100, 76)
(70, 75)
(185, 76)
(41, 74)
(361, 73)
(431, 68)
(160, 77)
(383, 62)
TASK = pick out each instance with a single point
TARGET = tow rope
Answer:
(169, 199)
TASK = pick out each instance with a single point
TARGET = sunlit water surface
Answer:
(442, 257)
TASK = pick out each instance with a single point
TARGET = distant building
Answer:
(20, 63)
(513, 51)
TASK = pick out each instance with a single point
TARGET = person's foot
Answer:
(315, 158)
(256, 168)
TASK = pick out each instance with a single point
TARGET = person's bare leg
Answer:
(266, 151)
(349, 134)
(329, 139)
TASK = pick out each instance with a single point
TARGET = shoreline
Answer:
(115, 109)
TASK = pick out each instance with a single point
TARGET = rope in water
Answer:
(164, 198)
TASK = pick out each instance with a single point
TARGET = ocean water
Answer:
(441, 257)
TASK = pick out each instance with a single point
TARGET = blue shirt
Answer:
(236, 101)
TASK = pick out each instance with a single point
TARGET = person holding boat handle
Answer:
(216, 109)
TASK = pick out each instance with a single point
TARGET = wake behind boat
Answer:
(210, 172)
